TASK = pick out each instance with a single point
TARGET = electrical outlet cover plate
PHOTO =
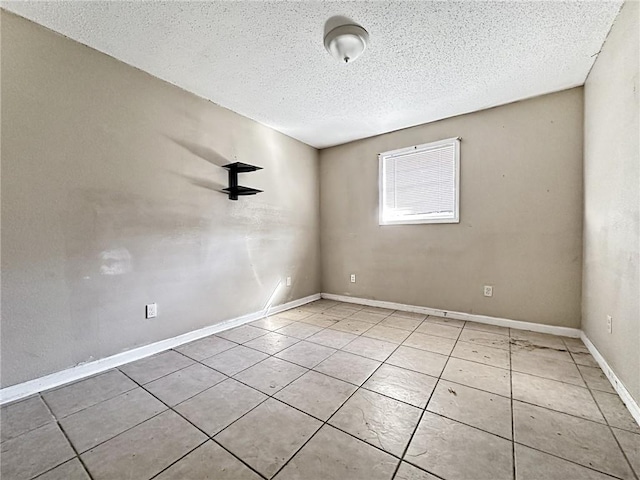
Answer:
(488, 291)
(353, 278)
(151, 310)
(288, 281)
(609, 323)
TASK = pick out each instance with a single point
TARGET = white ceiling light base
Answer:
(347, 42)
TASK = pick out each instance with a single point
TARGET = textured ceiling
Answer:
(266, 60)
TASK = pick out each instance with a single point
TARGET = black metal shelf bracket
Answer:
(234, 189)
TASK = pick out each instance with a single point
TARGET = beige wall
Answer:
(611, 283)
(108, 203)
(520, 224)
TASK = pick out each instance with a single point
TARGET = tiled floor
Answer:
(335, 391)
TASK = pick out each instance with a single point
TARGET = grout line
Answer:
(183, 456)
(404, 453)
(62, 417)
(68, 441)
(326, 422)
(569, 461)
(209, 437)
(91, 377)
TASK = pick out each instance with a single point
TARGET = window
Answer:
(421, 184)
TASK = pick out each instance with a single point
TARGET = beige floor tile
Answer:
(205, 347)
(615, 411)
(596, 379)
(409, 472)
(439, 330)
(335, 312)
(183, 384)
(217, 407)
(343, 309)
(418, 360)
(321, 320)
(93, 425)
(477, 375)
(483, 410)
(381, 421)
(540, 339)
(582, 441)
(411, 315)
(485, 338)
(72, 398)
(495, 357)
(306, 354)
(439, 444)
(268, 436)
(630, 443)
(559, 396)
(34, 452)
(401, 322)
(316, 394)
(430, 343)
(518, 346)
(71, 470)
(534, 465)
(242, 334)
(586, 359)
(485, 327)
(575, 345)
(235, 360)
(339, 457)
(321, 304)
(208, 462)
(272, 342)
(367, 317)
(348, 325)
(332, 338)
(402, 384)
(371, 348)
(378, 310)
(298, 313)
(271, 323)
(348, 367)
(299, 330)
(156, 366)
(388, 334)
(270, 375)
(144, 450)
(23, 416)
(452, 322)
(528, 362)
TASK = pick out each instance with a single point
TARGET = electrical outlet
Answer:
(288, 281)
(151, 310)
(488, 291)
(353, 278)
(609, 322)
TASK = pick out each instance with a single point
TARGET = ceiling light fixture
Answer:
(347, 42)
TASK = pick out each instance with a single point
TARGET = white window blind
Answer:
(420, 184)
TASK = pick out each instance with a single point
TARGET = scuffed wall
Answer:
(110, 202)
(611, 279)
(520, 224)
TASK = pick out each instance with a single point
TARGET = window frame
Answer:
(425, 218)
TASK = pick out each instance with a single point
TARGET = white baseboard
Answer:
(22, 390)
(616, 383)
(470, 317)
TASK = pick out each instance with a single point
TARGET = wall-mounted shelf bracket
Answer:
(234, 189)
